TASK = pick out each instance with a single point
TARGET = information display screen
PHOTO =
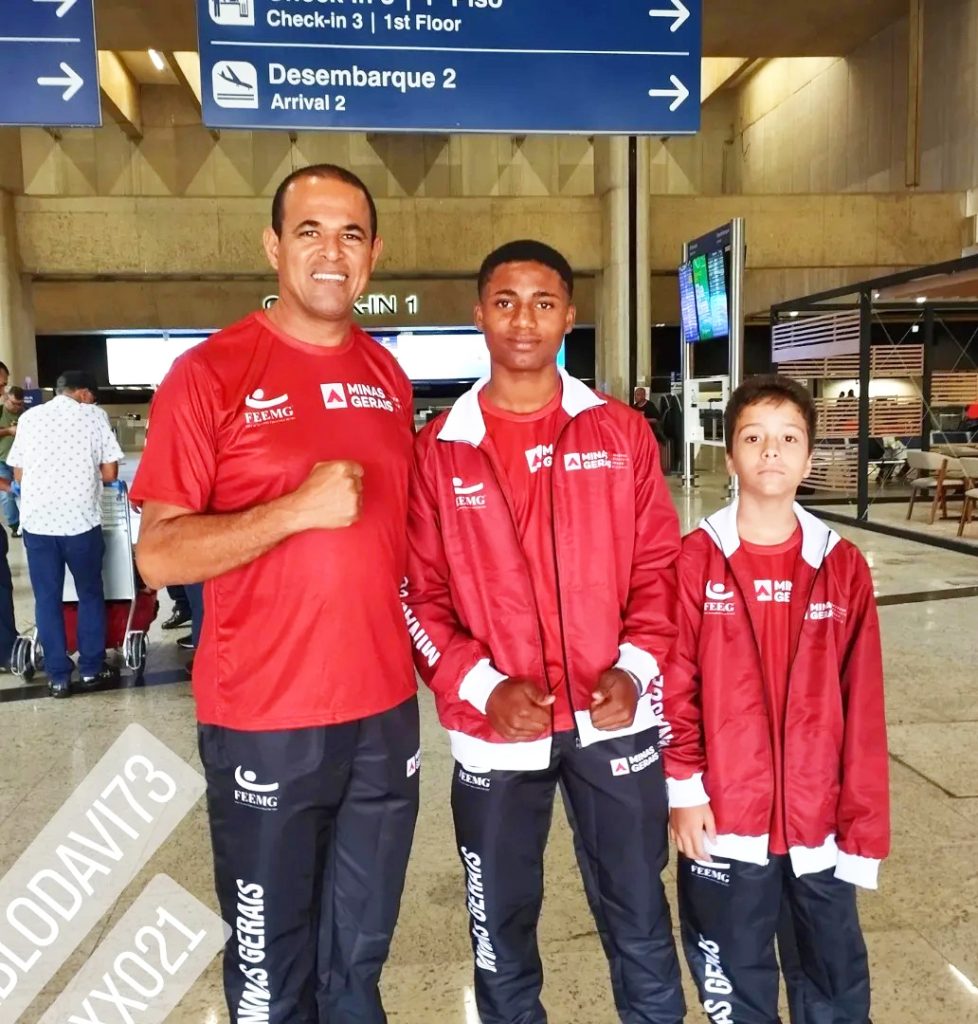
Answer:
(144, 362)
(703, 297)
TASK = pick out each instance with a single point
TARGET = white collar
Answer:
(465, 421)
(817, 539)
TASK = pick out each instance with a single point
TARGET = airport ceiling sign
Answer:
(48, 63)
(510, 66)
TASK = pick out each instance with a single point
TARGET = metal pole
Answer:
(738, 251)
(686, 369)
(928, 382)
(632, 266)
(865, 356)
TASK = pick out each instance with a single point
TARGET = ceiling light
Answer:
(157, 60)
(794, 312)
(921, 299)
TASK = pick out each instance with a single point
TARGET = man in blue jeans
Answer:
(63, 453)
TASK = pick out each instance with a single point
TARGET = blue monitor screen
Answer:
(703, 297)
(687, 304)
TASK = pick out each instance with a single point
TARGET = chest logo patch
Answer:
(260, 410)
(357, 396)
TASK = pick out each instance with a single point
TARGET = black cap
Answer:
(77, 380)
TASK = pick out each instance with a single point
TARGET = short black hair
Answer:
(16, 392)
(333, 171)
(527, 250)
(773, 388)
(4, 368)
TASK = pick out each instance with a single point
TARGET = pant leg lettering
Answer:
(475, 903)
(728, 912)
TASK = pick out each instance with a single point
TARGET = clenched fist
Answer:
(330, 498)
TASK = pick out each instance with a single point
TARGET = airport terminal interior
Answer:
(822, 220)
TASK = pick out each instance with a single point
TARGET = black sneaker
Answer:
(108, 675)
(59, 688)
(176, 620)
(186, 643)
(14, 531)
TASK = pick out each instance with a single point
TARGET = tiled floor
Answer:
(922, 925)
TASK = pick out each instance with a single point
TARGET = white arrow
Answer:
(679, 93)
(66, 5)
(679, 12)
(72, 81)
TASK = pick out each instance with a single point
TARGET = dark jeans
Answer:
(195, 599)
(8, 631)
(46, 561)
(179, 596)
(8, 500)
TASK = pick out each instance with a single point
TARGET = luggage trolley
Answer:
(130, 610)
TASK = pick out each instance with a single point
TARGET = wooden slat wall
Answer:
(954, 388)
(838, 418)
(835, 469)
(886, 361)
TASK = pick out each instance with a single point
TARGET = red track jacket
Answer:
(835, 754)
(469, 602)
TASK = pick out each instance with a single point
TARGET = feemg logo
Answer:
(260, 410)
(474, 780)
(711, 871)
(719, 600)
(470, 496)
(414, 764)
(254, 793)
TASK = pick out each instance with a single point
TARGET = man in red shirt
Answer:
(276, 472)
(539, 599)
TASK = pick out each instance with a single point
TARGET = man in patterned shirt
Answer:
(63, 453)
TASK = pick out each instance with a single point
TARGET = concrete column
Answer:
(17, 343)
(612, 296)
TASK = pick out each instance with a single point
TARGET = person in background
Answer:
(181, 614)
(10, 412)
(4, 379)
(641, 403)
(8, 627)
(63, 453)
(195, 599)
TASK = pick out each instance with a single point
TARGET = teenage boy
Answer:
(777, 768)
(540, 602)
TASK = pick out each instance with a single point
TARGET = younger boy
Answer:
(777, 770)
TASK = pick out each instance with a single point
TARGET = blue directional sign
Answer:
(48, 63)
(511, 66)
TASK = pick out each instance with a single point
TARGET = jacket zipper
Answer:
(516, 537)
(787, 693)
(560, 602)
(760, 662)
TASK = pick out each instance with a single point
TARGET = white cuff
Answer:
(478, 684)
(639, 663)
(687, 792)
(861, 871)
